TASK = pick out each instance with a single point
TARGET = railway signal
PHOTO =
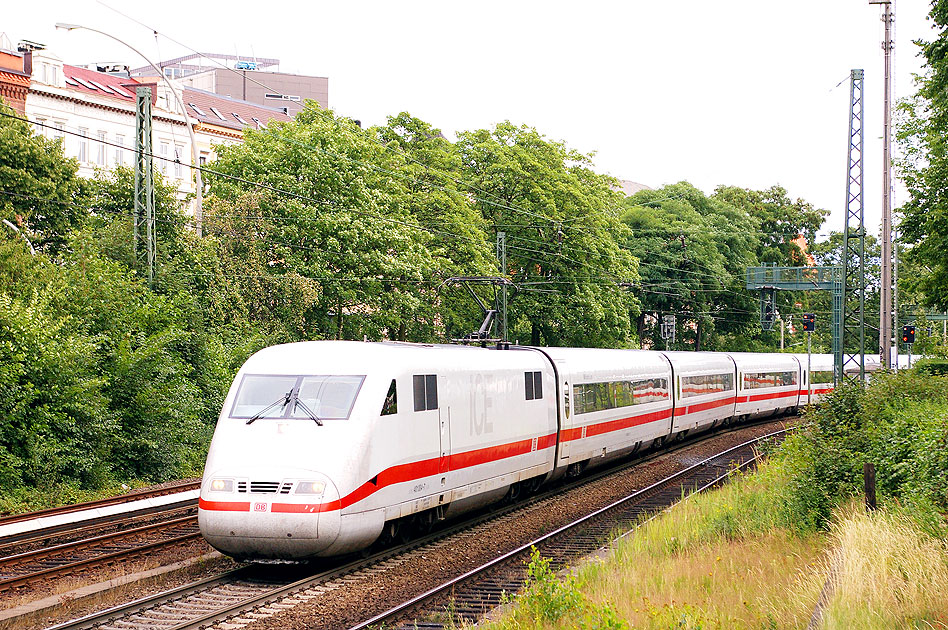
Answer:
(809, 325)
(908, 334)
(809, 322)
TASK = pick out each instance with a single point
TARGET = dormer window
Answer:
(200, 112)
(218, 114)
(241, 120)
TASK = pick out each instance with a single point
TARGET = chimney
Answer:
(28, 62)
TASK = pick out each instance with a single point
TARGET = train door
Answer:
(565, 406)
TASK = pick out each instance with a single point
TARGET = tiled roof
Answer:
(100, 83)
(234, 114)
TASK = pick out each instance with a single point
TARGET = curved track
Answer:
(466, 598)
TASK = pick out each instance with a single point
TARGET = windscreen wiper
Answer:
(283, 401)
(309, 412)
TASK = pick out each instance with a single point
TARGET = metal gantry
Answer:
(854, 240)
(768, 280)
(143, 229)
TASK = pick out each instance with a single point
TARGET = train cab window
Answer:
(390, 406)
(329, 397)
(533, 385)
(426, 391)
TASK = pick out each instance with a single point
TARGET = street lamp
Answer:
(199, 206)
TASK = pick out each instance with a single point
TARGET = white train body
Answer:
(322, 445)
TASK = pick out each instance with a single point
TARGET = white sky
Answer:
(739, 92)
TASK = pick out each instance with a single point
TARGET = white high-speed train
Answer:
(323, 447)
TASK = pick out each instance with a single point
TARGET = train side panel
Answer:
(767, 384)
(705, 389)
(612, 402)
(817, 377)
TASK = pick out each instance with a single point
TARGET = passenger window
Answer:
(533, 385)
(390, 406)
(426, 391)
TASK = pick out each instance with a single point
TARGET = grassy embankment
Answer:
(759, 552)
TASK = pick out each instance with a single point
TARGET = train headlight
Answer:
(222, 485)
(310, 487)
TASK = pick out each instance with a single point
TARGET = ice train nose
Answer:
(269, 526)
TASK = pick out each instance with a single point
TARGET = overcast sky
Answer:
(738, 92)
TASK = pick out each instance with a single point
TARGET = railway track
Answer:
(76, 538)
(468, 597)
(29, 567)
(55, 525)
(135, 495)
(242, 596)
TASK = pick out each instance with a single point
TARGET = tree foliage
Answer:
(560, 220)
(41, 192)
(922, 132)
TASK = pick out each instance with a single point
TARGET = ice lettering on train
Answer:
(481, 402)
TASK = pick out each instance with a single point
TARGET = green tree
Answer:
(440, 202)
(780, 221)
(922, 132)
(39, 189)
(331, 208)
(693, 251)
(562, 230)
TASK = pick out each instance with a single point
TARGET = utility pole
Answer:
(501, 306)
(853, 341)
(143, 228)
(885, 300)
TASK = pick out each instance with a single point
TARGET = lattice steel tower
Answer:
(854, 242)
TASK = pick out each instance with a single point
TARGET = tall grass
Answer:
(889, 573)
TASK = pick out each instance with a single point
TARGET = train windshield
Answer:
(303, 397)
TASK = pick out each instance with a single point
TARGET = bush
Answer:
(897, 423)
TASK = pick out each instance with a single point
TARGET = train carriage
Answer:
(705, 385)
(767, 384)
(817, 377)
(612, 402)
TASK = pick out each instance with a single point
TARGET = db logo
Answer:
(259, 507)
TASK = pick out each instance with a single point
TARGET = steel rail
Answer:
(16, 582)
(73, 533)
(85, 543)
(397, 611)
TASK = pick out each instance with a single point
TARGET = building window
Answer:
(83, 145)
(163, 152)
(100, 153)
(426, 391)
(178, 151)
(59, 130)
(119, 151)
(40, 126)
